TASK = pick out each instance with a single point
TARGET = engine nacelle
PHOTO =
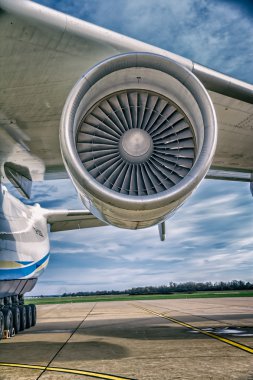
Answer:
(138, 134)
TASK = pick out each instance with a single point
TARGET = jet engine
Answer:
(138, 133)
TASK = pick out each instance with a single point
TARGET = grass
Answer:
(126, 297)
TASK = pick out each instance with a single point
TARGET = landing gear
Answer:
(22, 311)
(34, 314)
(8, 323)
(1, 325)
(28, 316)
(15, 316)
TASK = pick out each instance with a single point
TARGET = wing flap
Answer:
(20, 177)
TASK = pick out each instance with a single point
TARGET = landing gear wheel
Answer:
(1, 325)
(16, 318)
(8, 323)
(28, 316)
(34, 314)
(22, 311)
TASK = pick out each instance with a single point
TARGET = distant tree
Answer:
(172, 287)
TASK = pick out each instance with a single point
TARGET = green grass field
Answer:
(125, 297)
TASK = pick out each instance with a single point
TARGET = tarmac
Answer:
(162, 339)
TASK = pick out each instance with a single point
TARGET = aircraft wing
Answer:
(44, 52)
(63, 220)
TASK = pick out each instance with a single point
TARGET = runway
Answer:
(165, 339)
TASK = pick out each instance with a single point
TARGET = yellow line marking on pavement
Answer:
(211, 335)
(96, 375)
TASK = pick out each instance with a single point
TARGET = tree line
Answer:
(172, 287)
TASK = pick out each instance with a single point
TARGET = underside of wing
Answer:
(234, 154)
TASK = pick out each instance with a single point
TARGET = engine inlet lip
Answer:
(69, 124)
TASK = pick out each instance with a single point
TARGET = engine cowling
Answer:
(138, 133)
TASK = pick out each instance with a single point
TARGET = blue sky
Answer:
(210, 238)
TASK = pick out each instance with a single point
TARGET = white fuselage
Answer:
(24, 241)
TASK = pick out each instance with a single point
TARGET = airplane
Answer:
(136, 128)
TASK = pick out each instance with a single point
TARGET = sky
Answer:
(210, 237)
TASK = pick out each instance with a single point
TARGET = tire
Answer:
(22, 311)
(16, 318)
(8, 321)
(34, 314)
(1, 325)
(28, 316)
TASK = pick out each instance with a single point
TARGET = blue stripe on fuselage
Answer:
(17, 273)
(24, 262)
